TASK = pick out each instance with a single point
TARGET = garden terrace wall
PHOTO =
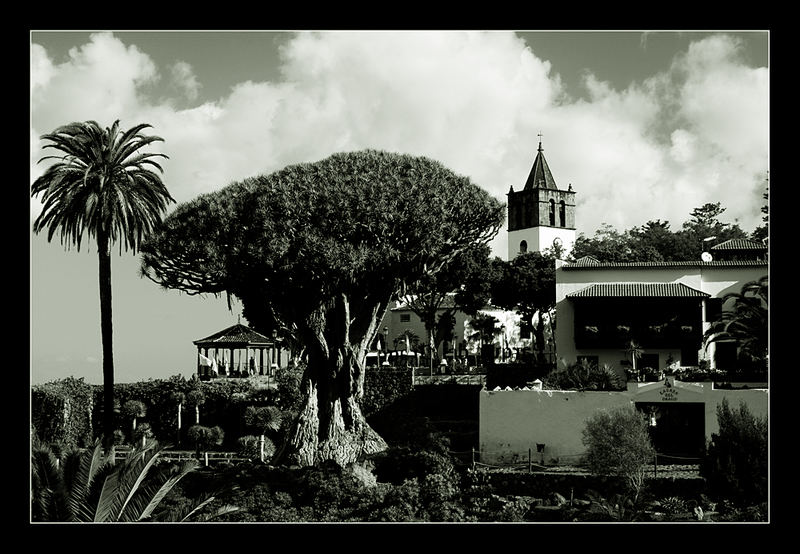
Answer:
(578, 485)
(513, 422)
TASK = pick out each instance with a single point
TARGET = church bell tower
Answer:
(541, 214)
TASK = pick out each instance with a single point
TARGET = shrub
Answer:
(618, 443)
(248, 447)
(142, 433)
(263, 419)
(290, 395)
(735, 463)
(61, 412)
(384, 386)
(584, 376)
(205, 437)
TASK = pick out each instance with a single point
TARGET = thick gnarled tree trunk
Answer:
(331, 425)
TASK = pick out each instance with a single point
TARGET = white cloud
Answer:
(474, 101)
(100, 81)
(184, 80)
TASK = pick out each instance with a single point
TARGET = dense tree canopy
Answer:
(466, 279)
(527, 285)
(655, 241)
(317, 251)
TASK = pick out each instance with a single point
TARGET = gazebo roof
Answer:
(235, 335)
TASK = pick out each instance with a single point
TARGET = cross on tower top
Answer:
(540, 141)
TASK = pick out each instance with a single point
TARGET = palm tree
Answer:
(745, 320)
(101, 185)
(86, 486)
(178, 398)
(635, 352)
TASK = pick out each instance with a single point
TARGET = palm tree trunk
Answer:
(104, 256)
(178, 434)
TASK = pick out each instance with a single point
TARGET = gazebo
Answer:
(232, 353)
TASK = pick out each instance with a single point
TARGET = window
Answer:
(713, 309)
(552, 213)
(405, 318)
(648, 360)
(523, 246)
(725, 355)
(562, 213)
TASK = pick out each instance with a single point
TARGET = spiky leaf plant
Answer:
(89, 487)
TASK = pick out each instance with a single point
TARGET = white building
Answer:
(665, 307)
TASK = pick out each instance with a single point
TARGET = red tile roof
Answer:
(697, 263)
(739, 244)
(651, 290)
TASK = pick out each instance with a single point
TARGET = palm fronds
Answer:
(87, 487)
(744, 319)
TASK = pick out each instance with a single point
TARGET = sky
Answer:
(643, 125)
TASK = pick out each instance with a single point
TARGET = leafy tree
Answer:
(704, 223)
(652, 242)
(655, 241)
(142, 434)
(196, 398)
(205, 437)
(87, 486)
(736, 462)
(101, 185)
(463, 281)
(618, 443)
(318, 250)
(607, 245)
(761, 233)
(745, 319)
(527, 285)
(178, 398)
(486, 328)
(263, 419)
(133, 409)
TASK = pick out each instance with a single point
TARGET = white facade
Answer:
(514, 422)
(400, 318)
(713, 278)
(539, 238)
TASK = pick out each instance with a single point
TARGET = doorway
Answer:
(677, 430)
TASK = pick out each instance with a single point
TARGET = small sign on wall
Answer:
(669, 393)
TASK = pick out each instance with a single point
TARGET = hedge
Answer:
(62, 413)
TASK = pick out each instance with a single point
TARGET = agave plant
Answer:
(87, 486)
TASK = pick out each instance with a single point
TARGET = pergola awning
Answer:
(638, 290)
